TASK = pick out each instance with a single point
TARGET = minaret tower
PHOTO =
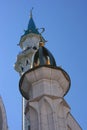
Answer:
(43, 85)
(29, 43)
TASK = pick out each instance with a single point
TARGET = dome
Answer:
(43, 57)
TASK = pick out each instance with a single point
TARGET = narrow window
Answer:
(28, 127)
(27, 62)
(22, 68)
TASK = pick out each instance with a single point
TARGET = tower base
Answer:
(45, 87)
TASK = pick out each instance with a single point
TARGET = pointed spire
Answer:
(31, 12)
(33, 29)
(31, 25)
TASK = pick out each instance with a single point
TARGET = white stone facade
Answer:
(29, 45)
(46, 108)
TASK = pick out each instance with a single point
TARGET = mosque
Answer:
(42, 85)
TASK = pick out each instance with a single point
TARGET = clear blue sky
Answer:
(65, 23)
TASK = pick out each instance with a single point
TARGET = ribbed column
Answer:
(45, 88)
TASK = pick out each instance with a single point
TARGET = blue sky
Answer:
(65, 23)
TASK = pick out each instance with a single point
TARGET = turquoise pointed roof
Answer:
(31, 26)
(32, 29)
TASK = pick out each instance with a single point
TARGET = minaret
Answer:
(43, 85)
(29, 43)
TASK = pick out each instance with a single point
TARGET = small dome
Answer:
(43, 57)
